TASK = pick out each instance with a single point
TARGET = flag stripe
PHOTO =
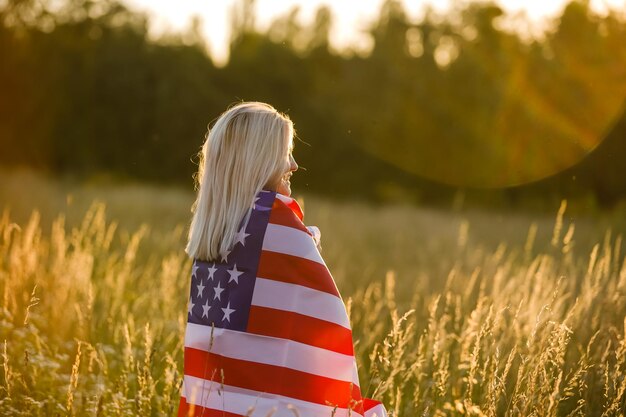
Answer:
(185, 410)
(303, 329)
(238, 401)
(284, 239)
(268, 378)
(294, 270)
(376, 411)
(299, 299)
(286, 210)
(272, 351)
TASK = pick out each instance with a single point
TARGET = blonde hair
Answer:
(243, 151)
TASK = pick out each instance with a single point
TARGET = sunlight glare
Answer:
(350, 21)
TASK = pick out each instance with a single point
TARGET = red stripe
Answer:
(300, 328)
(368, 403)
(269, 378)
(295, 270)
(292, 204)
(282, 214)
(192, 410)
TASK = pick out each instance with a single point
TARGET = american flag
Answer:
(267, 331)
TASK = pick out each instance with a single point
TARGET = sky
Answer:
(351, 18)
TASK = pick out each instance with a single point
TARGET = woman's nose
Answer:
(294, 164)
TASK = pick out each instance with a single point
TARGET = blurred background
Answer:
(460, 103)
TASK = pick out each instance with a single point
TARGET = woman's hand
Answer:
(317, 236)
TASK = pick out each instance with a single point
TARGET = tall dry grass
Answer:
(453, 314)
(88, 328)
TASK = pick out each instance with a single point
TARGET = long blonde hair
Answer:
(244, 151)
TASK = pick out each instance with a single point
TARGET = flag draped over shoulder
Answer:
(267, 331)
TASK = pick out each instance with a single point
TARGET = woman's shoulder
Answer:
(286, 233)
(287, 212)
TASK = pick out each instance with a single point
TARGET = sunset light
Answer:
(351, 18)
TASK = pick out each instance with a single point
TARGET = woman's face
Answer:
(290, 166)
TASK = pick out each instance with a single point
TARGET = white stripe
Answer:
(272, 351)
(300, 299)
(377, 411)
(291, 241)
(285, 199)
(236, 400)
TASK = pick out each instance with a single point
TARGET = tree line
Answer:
(446, 106)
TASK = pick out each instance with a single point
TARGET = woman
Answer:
(267, 332)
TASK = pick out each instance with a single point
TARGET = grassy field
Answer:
(454, 312)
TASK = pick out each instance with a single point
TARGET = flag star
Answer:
(195, 270)
(225, 256)
(205, 309)
(212, 270)
(190, 307)
(218, 291)
(200, 289)
(234, 274)
(242, 235)
(227, 312)
(257, 206)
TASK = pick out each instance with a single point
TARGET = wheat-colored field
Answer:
(454, 312)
